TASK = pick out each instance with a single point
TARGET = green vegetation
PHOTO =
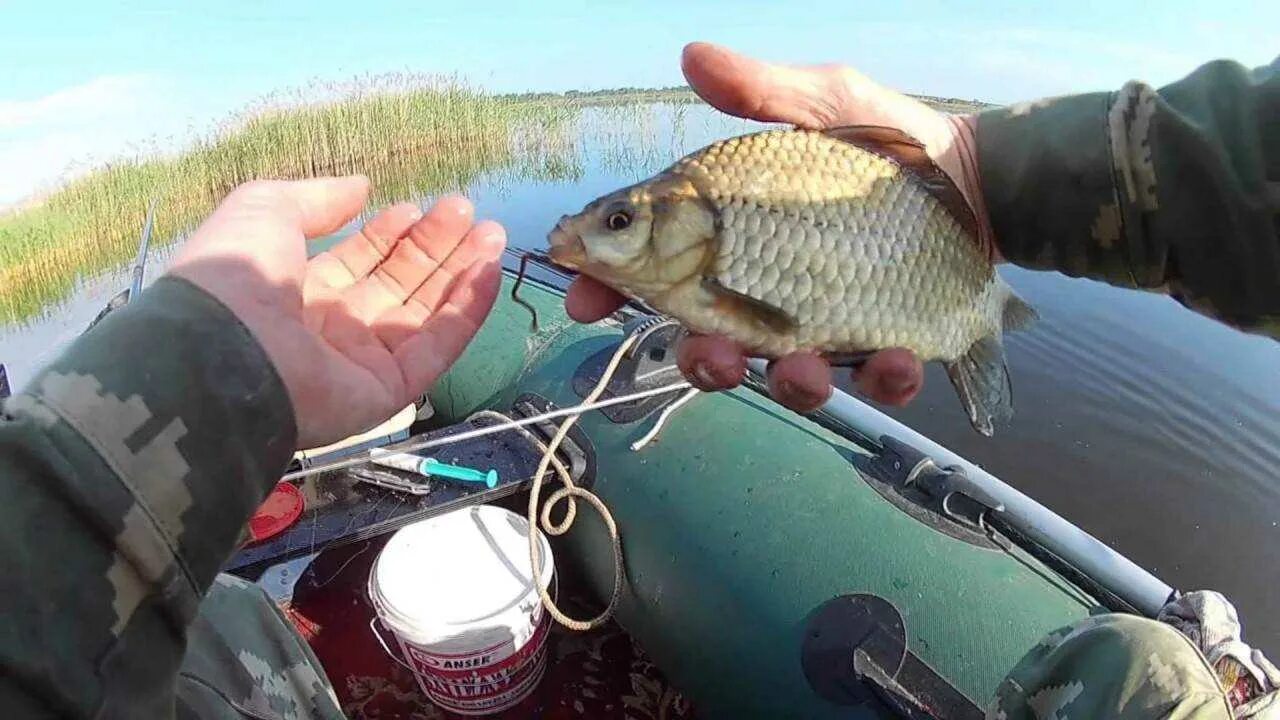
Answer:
(412, 136)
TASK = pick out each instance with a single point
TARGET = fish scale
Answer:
(835, 242)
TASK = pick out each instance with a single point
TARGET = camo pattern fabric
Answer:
(1210, 621)
(1112, 666)
(1175, 190)
(245, 656)
(128, 469)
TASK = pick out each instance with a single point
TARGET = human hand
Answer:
(814, 98)
(361, 330)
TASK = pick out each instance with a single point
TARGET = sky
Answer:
(83, 82)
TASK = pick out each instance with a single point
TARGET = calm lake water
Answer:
(1155, 429)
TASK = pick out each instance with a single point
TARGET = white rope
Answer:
(570, 491)
(573, 410)
(661, 422)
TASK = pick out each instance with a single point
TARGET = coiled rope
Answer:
(570, 491)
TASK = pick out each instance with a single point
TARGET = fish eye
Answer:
(618, 220)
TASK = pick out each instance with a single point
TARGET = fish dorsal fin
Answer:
(910, 154)
(774, 318)
(880, 139)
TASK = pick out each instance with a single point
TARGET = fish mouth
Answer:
(567, 248)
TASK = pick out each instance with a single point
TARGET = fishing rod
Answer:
(123, 297)
(411, 445)
(140, 262)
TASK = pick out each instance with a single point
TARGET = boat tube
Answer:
(779, 565)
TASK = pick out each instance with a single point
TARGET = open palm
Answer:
(359, 331)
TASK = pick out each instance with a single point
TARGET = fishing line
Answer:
(586, 406)
(541, 259)
(570, 490)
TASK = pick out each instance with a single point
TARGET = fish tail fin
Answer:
(981, 379)
(981, 376)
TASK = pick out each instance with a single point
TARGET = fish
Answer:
(840, 242)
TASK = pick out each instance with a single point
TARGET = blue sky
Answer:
(83, 81)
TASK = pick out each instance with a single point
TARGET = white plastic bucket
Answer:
(457, 593)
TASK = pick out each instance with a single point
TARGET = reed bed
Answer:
(412, 135)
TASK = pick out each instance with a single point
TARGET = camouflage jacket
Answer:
(128, 469)
(1176, 189)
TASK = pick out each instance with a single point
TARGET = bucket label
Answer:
(489, 679)
(493, 703)
(426, 660)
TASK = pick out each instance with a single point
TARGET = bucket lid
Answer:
(439, 577)
(280, 510)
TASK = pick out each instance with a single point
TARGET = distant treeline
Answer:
(676, 93)
(683, 93)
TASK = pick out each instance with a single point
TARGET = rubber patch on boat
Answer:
(837, 629)
(280, 510)
(855, 652)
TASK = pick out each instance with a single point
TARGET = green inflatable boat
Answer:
(836, 565)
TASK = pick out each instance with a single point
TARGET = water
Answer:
(1155, 429)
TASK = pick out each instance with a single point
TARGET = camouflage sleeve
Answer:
(128, 469)
(1112, 666)
(1176, 189)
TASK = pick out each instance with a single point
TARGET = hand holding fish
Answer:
(864, 232)
(814, 98)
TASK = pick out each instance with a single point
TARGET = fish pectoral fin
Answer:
(911, 155)
(1017, 314)
(981, 379)
(774, 318)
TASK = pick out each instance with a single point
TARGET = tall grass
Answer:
(412, 135)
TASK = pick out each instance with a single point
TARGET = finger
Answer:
(485, 240)
(279, 212)
(358, 254)
(711, 362)
(588, 301)
(411, 261)
(426, 354)
(892, 377)
(801, 381)
(316, 207)
(742, 86)
(813, 97)
(483, 243)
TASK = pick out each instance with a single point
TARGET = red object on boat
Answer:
(280, 510)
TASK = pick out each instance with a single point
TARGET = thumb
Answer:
(260, 226)
(739, 85)
(326, 204)
(315, 207)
